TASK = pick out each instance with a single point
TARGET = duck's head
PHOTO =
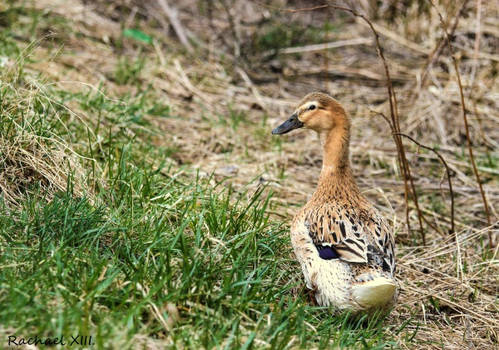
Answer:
(317, 111)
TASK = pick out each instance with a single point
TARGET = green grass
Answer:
(128, 70)
(70, 267)
(140, 251)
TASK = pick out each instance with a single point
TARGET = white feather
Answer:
(378, 292)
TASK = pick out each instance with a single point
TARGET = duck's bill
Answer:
(292, 123)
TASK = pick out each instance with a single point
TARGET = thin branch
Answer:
(465, 118)
(447, 170)
(392, 128)
(434, 56)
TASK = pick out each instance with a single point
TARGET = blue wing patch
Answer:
(327, 252)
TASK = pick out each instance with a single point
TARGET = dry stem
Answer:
(465, 119)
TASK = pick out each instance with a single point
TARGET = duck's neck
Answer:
(336, 175)
(335, 143)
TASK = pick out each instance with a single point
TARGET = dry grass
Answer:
(226, 106)
(30, 153)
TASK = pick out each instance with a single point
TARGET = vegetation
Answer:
(143, 201)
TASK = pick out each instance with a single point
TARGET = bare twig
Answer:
(465, 118)
(392, 128)
(438, 49)
(407, 212)
(448, 171)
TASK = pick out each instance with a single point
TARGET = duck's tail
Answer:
(375, 293)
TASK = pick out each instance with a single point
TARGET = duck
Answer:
(343, 244)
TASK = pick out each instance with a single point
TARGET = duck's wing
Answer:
(382, 249)
(351, 234)
(338, 230)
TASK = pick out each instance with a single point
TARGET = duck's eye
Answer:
(311, 107)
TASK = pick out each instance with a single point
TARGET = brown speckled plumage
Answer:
(344, 246)
(338, 214)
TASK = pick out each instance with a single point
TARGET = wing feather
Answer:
(356, 235)
(340, 229)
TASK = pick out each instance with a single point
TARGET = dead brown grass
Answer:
(449, 285)
(28, 157)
